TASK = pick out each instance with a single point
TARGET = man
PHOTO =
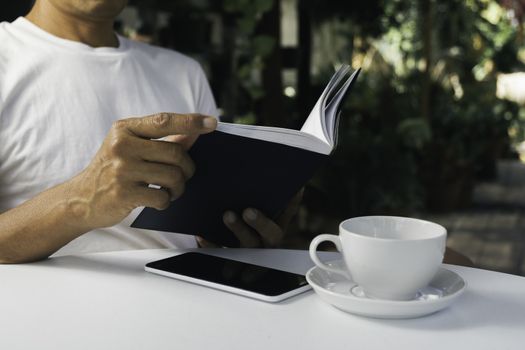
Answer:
(74, 167)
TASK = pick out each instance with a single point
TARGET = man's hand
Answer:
(117, 179)
(255, 230)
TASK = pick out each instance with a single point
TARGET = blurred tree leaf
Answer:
(262, 5)
(263, 45)
(246, 25)
(414, 132)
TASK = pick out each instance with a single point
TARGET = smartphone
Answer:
(232, 276)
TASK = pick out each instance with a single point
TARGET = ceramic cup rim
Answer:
(440, 230)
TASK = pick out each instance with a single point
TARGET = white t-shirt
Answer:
(58, 100)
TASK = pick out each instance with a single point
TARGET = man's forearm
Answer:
(109, 188)
(39, 227)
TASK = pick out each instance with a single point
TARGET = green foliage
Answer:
(393, 160)
(263, 45)
(410, 136)
(252, 48)
(414, 132)
(361, 15)
(248, 8)
(374, 168)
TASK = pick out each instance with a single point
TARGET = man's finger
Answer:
(163, 124)
(169, 177)
(166, 153)
(151, 197)
(246, 236)
(290, 211)
(186, 141)
(271, 234)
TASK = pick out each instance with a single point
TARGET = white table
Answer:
(107, 301)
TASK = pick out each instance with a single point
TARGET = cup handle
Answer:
(313, 252)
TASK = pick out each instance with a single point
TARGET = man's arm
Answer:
(39, 227)
(114, 183)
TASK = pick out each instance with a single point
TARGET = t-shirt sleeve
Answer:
(205, 103)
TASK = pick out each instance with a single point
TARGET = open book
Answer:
(319, 132)
(248, 166)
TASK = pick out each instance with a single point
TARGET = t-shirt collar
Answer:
(40, 34)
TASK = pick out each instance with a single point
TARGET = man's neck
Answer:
(95, 33)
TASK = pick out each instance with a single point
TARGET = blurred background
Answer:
(434, 127)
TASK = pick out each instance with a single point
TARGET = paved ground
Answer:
(492, 231)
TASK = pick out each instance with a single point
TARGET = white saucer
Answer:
(346, 295)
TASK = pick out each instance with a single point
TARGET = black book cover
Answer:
(233, 173)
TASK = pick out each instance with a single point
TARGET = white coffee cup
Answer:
(389, 257)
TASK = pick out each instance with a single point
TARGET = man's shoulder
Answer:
(6, 32)
(4, 35)
(8, 37)
(163, 56)
(3, 26)
(6, 44)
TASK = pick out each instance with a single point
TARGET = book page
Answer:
(332, 109)
(319, 130)
(290, 137)
(315, 124)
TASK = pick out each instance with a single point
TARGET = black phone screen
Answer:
(232, 273)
